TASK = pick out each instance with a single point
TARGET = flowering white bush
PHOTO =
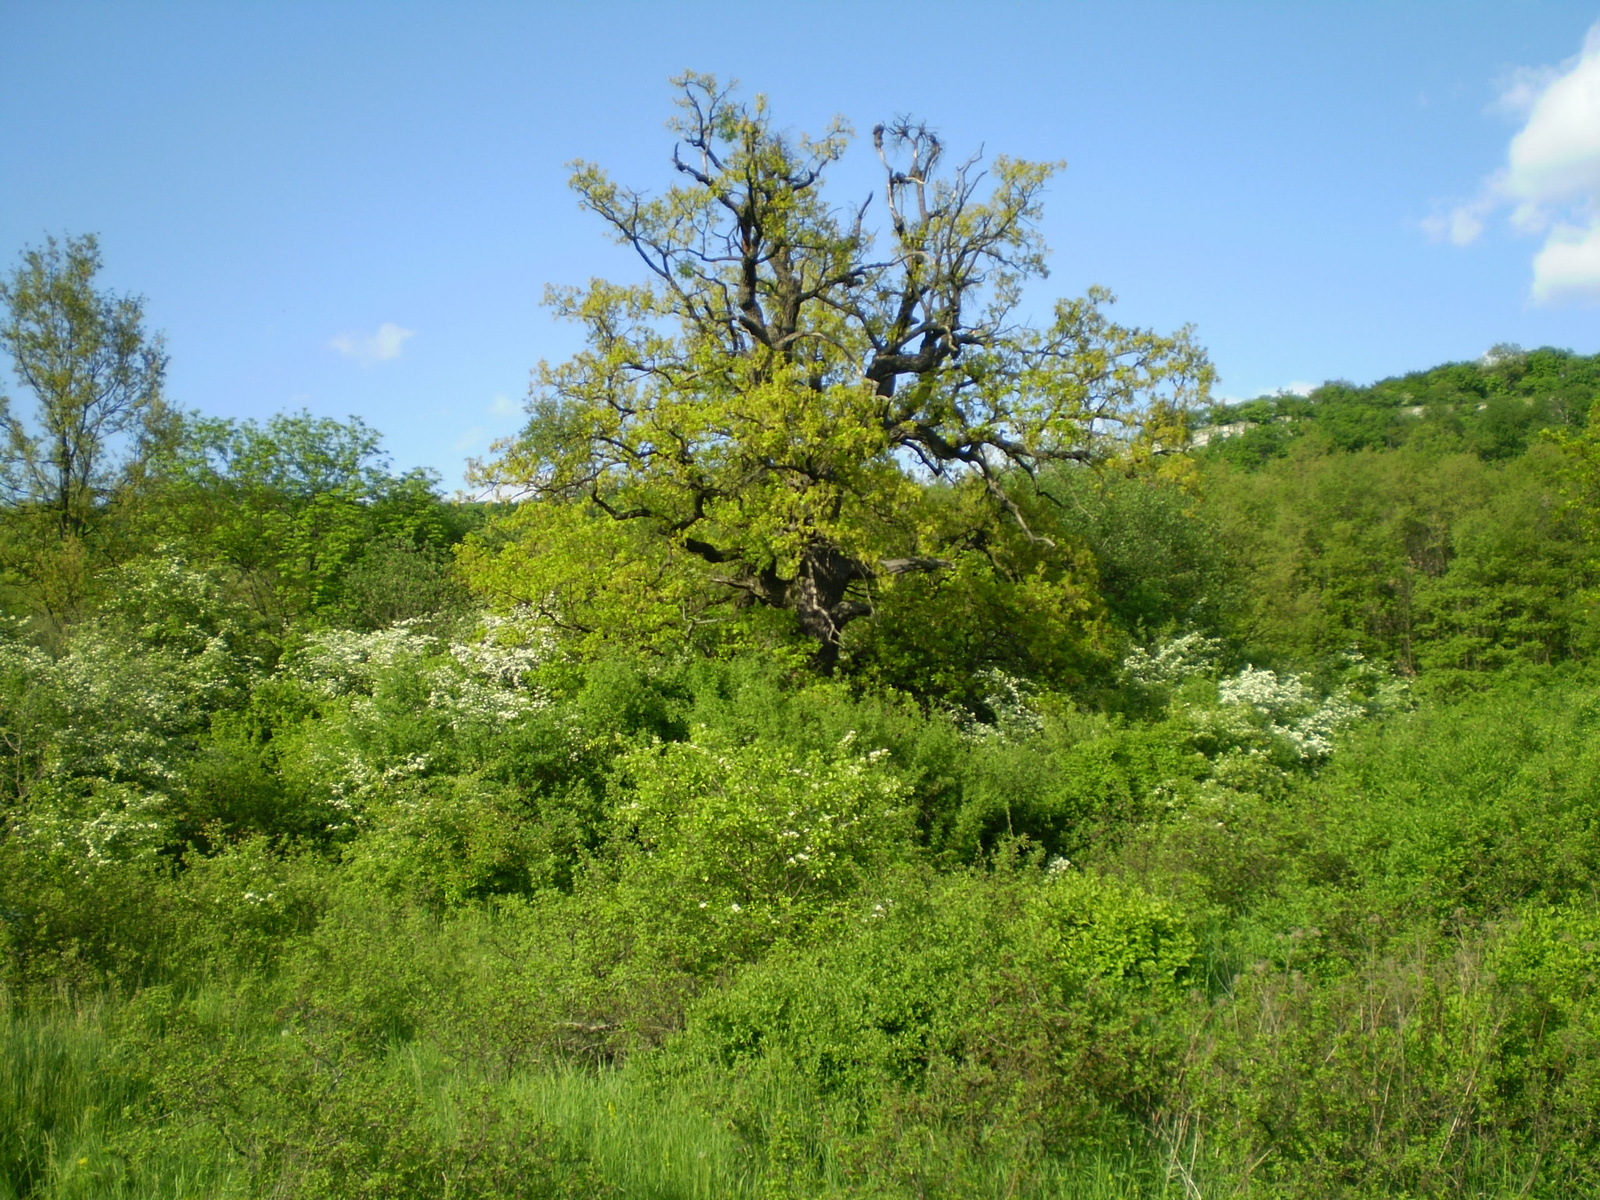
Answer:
(395, 696)
(1261, 715)
(1265, 691)
(1286, 710)
(507, 649)
(129, 713)
(100, 733)
(1297, 717)
(1174, 661)
(342, 662)
(1015, 715)
(103, 825)
(481, 679)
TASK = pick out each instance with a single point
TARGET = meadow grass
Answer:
(63, 1100)
(68, 1100)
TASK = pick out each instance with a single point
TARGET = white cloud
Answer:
(1568, 268)
(367, 349)
(1520, 89)
(1555, 157)
(1299, 388)
(470, 440)
(1551, 181)
(1462, 225)
(503, 406)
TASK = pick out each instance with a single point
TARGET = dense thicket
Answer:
(1243, 841)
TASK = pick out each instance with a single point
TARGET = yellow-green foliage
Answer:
(759, 423)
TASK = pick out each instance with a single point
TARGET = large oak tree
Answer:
(766, 418)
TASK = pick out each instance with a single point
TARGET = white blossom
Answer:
(1174, 661)
(1016, 717)
(1293, 714)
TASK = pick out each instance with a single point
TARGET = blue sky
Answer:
(354, 208)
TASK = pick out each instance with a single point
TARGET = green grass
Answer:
(70, 1108)
(656, 1143)
(63, 1100)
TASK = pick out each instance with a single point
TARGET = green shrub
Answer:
(724, 847)
(1441, 1070)
(1020, 1004)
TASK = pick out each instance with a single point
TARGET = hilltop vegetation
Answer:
(1140, 822)
(1440, 520)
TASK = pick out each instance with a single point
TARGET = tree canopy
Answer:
(792, 408)
(95, 375)
(297, 509)
(79, 451)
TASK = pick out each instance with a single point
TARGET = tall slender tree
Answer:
(95, 376)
